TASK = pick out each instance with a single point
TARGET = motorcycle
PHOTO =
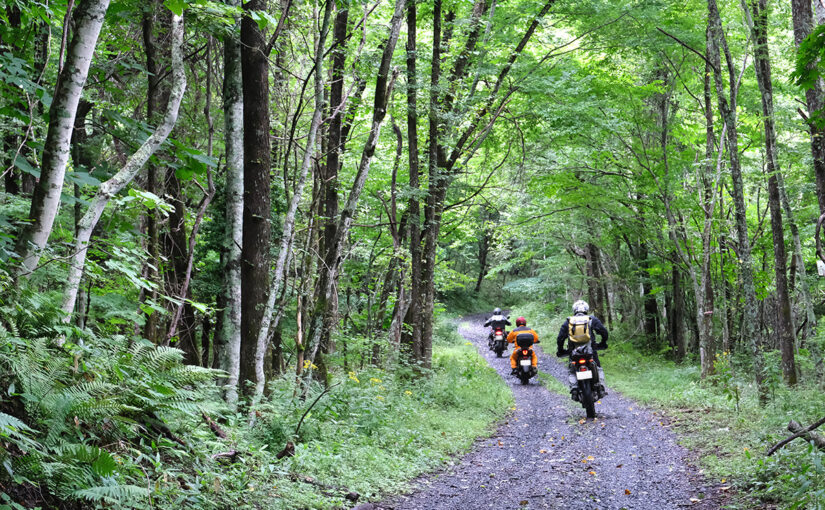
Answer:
(586, 375)
(498, 343)
(524, 361)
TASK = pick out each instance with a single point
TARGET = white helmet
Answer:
(580, 307)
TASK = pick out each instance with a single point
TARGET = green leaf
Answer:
(24, 166)
(176, 6)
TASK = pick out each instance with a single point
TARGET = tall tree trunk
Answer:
(287, 235)
(257, 210)
(125, 175)
(411, 336)
(46, 199)
(322, 318)
(803, 23)
(483, 250)
(329, 176)
(677, 332)
(435, 198)
(727, 109)
(154, 100)
(233, 241)
(81, 160)
(784, 330)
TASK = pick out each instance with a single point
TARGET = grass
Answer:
(378, 430)
(721, 421)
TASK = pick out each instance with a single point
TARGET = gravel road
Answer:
(546, 456)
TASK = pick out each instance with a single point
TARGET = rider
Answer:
(589, 325)
(523, 333)
(496, 321)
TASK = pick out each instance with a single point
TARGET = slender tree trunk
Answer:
(257, 210)
(46, 199)
(411, 335)
(125, 175)
(321, 318)
(784, 330)
(233, 140)
(803, 23)
(483, 250)
(81, 160)
(677, 333)
(287, 235)
(727, 109)
(153, 106)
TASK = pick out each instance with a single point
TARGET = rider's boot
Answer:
(574, 385)
(602, 389)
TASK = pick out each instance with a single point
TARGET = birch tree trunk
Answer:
(125, 175)
(46, 199)
(233, 139)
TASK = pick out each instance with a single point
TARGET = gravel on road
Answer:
(546, 455)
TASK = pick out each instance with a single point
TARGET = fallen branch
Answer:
(231, 455)
(350, 495)
(796, 427)
(214, 426)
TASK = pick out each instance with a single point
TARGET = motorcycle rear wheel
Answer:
(587, 399)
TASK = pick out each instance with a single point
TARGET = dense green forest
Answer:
(236, 237)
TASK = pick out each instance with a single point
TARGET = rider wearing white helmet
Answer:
(591, 324)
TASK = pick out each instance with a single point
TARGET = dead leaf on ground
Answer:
(593, 473)
(627, 492)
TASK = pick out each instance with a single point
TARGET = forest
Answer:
(246, 248)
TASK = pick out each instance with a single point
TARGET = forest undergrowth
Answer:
(112, 422)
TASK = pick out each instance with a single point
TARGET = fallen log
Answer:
(799, 431)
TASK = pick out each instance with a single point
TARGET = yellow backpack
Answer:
(579, 329)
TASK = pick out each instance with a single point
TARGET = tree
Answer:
(46, 199)
(124, 176)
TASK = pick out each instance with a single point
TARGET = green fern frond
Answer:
(114, 494)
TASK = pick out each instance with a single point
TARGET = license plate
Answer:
(499, 337)
(525, 362)
(587, 374)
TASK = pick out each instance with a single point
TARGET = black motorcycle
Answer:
(524, 360)
(583, 366)
(498, 343)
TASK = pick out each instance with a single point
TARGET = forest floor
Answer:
(546, 455)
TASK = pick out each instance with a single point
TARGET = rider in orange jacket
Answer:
(522, 332)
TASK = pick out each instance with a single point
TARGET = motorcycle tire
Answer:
(586, 392)
(498, 353)
(524, 378)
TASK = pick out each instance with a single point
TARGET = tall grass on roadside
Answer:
(721, 420)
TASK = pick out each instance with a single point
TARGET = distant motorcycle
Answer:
(498, 342)
(583, 368)
(524, 361)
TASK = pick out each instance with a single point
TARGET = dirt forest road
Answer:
(544, 456)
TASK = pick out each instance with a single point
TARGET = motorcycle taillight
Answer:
(524, 352)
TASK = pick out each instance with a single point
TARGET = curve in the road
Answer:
(546, 456)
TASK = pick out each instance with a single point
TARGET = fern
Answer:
(130, 495)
